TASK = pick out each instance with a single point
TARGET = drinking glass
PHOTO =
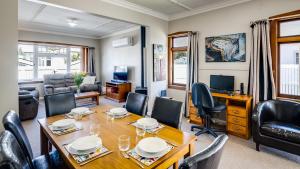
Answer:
(77, 116)
(110, 116)
(94, 129)
(140, 130)
(124, 143)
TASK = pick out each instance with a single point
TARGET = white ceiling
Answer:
(43, 18)
(174, 9)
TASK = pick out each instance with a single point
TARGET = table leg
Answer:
(44, 142)
(191, 149)
(97, 99)
(176, 165)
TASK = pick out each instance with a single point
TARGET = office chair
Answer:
(204, 102)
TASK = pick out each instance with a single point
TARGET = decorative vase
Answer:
(78, 90)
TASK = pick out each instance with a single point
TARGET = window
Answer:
(36, 60)
(177, 60)
(285, 45)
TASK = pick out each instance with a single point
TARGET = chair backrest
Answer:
(201, 97)
(11, 154)
(167, 111)
(59, 103)
(136, 103)
(208, 158)
(12, 123)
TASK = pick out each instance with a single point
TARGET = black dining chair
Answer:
(59, 103)
(136, 103)
(208, 158)
(12, 123)
(206, 106)
(167, 111)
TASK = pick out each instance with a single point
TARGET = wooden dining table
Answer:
(109, 131)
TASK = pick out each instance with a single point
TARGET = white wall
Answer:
(8, 56)
(45, 37)
(128, 56)
(156, 33)
(229, 20)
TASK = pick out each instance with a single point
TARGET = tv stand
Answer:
(117, 91)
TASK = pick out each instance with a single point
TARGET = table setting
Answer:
(79, 112)
(117, 113)
(86, 149)
(64, 126)
(150, 125)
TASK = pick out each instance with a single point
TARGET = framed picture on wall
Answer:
(159, 63)
(226, 48)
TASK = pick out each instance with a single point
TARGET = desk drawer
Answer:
(236, 129)
(237, 111)
(237, 120)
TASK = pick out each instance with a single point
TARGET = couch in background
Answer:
(57, 83)
(28, 102)
(276, 123)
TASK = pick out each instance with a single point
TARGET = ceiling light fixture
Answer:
(72, 22)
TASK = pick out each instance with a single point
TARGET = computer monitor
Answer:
(222, 83)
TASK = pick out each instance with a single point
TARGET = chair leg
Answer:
(196, 127)
(201, 132)
(257, 147)
(210, 131)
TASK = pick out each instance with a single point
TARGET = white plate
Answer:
(80, 110)
(63, 124)
(149, 123)
(152, 145)
(118, 111)
(85, 145)
(150, 155)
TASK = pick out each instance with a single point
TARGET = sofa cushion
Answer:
(285, 131)
(61, 89)
(89, 88)
(73, 88)
(69, 80)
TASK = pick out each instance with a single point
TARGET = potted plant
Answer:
(78, 79)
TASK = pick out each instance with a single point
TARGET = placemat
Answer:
(160, 126)
(86, 158)
(144, 160)
(64, 131)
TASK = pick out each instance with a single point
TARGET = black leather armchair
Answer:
(276, 124)
(59, 103)
(208, 158)
(13, 124)
(167, 111)
(28, 102)
(136, 103)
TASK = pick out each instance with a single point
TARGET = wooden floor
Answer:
(238, 153)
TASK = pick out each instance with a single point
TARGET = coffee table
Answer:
(85, 95)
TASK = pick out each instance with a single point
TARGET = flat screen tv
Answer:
(120, 73)
(222, 83)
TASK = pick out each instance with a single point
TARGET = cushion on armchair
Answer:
(285, 131)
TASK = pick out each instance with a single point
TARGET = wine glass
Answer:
(124, 143)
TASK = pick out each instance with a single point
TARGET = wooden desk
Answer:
(109, 132)
(238, 114)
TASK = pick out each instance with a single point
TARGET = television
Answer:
(221, 83)
(120, 73)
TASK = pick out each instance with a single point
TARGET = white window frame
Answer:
(36, 56)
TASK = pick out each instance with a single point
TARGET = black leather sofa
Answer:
(28, 103)
(276, 124)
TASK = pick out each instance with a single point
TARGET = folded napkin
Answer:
(72, 114)
(144, 160)
(63, 131)
(160, 126)
(83, 159)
